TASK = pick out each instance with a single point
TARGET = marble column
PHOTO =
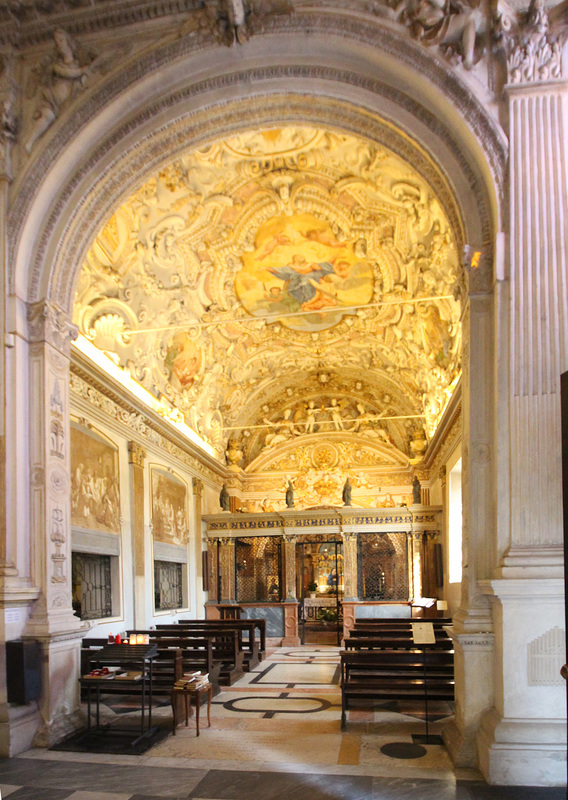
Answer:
(52, 620)
(18, 724)
(227, 567)
(136, 458)
(523, 737)
(473, 619)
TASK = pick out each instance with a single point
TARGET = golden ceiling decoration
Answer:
(283, 283)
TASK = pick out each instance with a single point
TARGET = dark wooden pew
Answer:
(372, 642)
(246, 629)
(196, 654)
(395, 675)
(225, 646)
(402, 624)
(244, 624)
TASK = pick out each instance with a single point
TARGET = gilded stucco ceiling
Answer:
(281, 285)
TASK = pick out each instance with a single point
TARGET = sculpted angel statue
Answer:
(62, 80)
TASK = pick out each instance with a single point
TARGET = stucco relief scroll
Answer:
(331, 252)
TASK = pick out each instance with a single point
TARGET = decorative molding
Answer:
(125, 414)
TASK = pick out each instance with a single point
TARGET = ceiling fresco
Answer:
(280, 286)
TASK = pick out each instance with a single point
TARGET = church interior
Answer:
(285, 315)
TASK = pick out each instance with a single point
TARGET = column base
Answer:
(523, 752)
(461, 747)
(63, 725)
(18, 728)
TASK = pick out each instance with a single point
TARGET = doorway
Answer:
(319, 576)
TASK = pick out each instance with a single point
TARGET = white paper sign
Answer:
(423, 633)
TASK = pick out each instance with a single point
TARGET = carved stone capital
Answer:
(289, 538)
(136, 454)
(197, 487)
(47, 323)
(532, 48)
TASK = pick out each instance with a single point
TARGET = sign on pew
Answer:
(423, 633)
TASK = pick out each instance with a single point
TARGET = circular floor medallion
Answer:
(403, 750)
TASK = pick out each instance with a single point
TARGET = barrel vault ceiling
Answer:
(281, 287)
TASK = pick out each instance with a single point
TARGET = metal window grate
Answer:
(168, 586)
(257, 561)
(92, 596)
(383, 566)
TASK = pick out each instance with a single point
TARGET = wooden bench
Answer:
(401, 624)
(368, 641)
(259, 625)
(225, 648)
(395, 675)
(254, 650)
(196, 653)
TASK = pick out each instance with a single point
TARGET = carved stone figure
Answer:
(346, 494)
(64, 77)
(234, 453)
(446, 22)
(224, 498)
(416, 492)
(290, 495)
(335, 411)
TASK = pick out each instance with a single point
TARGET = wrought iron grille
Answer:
(90, 575)
(257, 569)
(383, 566)
(168, 586)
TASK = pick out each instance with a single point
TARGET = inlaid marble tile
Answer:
(286, 674)
(87, 795)
(228, 785)
(6, 789)
(271, 747)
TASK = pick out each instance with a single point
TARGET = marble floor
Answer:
(274, 735)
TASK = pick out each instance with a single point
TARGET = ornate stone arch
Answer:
(100, 143)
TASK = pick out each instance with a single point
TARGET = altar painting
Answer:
(303, 275)
(169, 508)
(95, 500)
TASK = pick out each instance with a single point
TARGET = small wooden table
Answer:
(187, 692)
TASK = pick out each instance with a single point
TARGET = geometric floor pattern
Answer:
(274, 735)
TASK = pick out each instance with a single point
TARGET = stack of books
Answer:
(193, 680)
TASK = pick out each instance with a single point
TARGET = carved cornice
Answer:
(33, 21)
(47, 323)
(126, 414)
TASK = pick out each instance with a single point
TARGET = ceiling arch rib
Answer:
(279, 283)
